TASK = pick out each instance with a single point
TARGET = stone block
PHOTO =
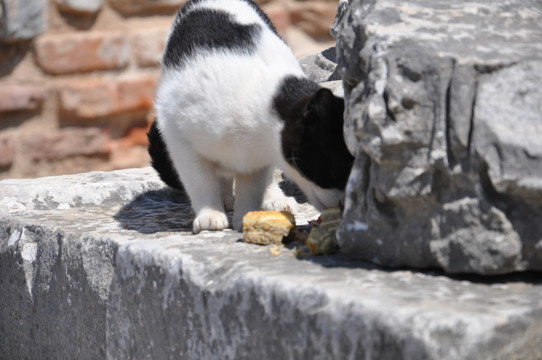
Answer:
(21, 97)
(22, 19)
(67, 142)
(320, 67)
(132, 7)
(443, 112)
(106, 97)
(61, 54)
(103, 265)
(85, 7)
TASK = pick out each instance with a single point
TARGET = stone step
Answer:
(102, 265)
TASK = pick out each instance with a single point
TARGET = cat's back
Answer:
(222, 66)
(223, 58)
(203, 27)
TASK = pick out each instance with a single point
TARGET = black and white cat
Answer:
(233, 103)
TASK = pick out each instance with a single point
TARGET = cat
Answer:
(234, 103)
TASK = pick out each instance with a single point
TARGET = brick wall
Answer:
(77, 77)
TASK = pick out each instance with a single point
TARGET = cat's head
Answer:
(314, 148)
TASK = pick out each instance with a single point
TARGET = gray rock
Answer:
(342, 6)
(22, 19)
(80, 6)
(443, 110)
(336, 87)
(320, 67)
(102, 265)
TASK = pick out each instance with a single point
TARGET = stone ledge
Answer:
(101, 265)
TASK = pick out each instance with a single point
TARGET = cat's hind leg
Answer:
(227, 192)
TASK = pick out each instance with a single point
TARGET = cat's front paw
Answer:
(280, 203)
(209, 219)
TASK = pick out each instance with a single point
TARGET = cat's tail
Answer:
(160, 159)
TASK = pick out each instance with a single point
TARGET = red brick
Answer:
(313, 17)
(21, 97)
(104, 97)
(132, 157)
(131, 7)
(279, 16)
(149, 45)
(68, 142)
(88, 99)
(7, 151)
(136, 136)
(82, 52)
(135, 93)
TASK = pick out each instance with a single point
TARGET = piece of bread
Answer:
(267, 227)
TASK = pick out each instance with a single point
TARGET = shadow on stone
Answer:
(339, 261)
(169, 210)
(164, 210)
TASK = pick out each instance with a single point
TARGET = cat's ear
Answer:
(320, 102)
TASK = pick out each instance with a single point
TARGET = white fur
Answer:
(317, 196)
(216, 115)
(243, 14)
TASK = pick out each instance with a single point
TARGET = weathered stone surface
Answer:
(443, 109)
(102, 265)
(342, 6)
(22, 19)
(80, 6)
(321, 66)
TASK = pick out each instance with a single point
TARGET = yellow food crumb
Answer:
(274, 250)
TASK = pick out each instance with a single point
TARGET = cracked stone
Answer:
(442, 108)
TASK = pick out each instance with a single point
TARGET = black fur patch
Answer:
(191, 3)
(262, 15)
(293, 89)
(202, 29)
(160, 159)
(312, 138)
